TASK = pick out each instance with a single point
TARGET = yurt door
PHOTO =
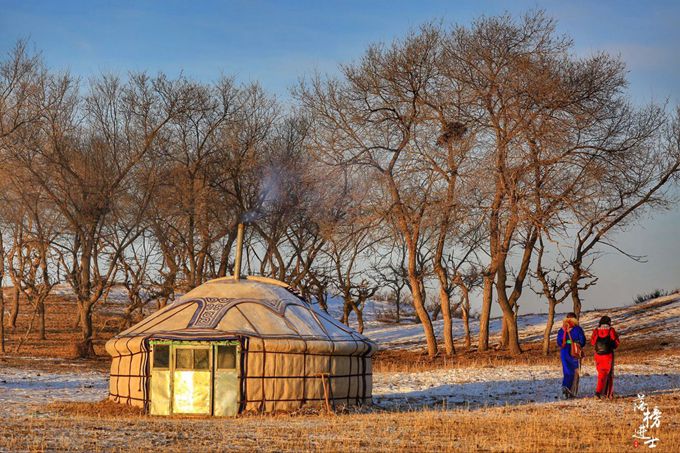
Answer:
(191, 379)
(161, 378)
(226, 370)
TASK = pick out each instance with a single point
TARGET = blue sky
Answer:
(277, 42)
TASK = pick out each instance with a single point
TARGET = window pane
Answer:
(161, 356)
(226, 357)
(201, 359)
(183, 359)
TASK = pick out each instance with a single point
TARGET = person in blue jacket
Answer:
(570, 333)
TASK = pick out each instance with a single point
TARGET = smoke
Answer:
(268, 196)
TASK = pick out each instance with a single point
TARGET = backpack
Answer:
(604, 345)
(576, 349)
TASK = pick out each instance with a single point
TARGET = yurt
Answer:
(239, 345)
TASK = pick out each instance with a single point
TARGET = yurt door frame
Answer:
(195, 377)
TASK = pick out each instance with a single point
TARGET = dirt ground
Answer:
(61, 330)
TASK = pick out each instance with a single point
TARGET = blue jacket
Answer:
(576, 334)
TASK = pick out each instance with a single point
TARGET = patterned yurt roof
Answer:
(253, 307)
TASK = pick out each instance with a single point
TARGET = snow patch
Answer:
(19, 386)
(512, 384)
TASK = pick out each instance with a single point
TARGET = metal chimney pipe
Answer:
(239, 251)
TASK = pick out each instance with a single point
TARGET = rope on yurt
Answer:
(120, 359)
(351, 359)
(332, 353)
(247, 320)
(245, 377)
(145, 371)
(304, 376)
(275, 378)
(172, 311)
(127, 343)
(292, 327)
(264, 360)
(367, 350)
(243, 381)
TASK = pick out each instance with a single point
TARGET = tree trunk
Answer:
(448, 325)
(360, 318)
(435, 313)
(76, 323)
(423, 316)
(321, 299)
(485, 315)
(576, 301)
(573, 287)
(2, 307)
(14, 311)
(466, 326)
(224, 259)
(548, 327)
(41, 319)
(513, 338)
(504, 333)
(508, 313)
(127, 316)
(510, 305)
(346, 309)
(86, 347)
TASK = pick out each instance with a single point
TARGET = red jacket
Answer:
(602, 332)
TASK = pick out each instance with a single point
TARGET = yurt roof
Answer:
(254, 307)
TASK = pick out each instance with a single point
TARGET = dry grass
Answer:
(580, 425)
(58, 350)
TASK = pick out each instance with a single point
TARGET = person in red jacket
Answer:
(605, 340)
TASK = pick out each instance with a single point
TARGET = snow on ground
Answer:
(659, 316)
(463, 387)
(21, 386)
(513, 384)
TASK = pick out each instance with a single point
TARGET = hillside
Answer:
(658, 317)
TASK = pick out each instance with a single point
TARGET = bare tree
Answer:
(139, 280)
(631, 181)
(547, 120)
(82, 157)
(33, 267)
(347, 249)
(21, 74)
(2, 294)
(371, 119)
(555, 286)
(390, 271)
(190, 216)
